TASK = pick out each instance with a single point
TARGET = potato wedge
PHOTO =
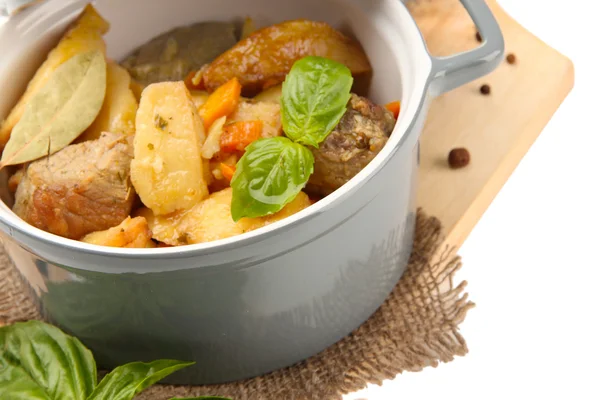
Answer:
(298, 204)
(265, 57)
(167, 170)
(118, 112)
(131, 233)
(211, 220)
(270, 95)
(84, 35)
(207, 221)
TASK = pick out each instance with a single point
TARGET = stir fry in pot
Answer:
(206, 132)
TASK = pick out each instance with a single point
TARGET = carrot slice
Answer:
(221, 102)
(237, 136)
(394, 107)
(228, 171)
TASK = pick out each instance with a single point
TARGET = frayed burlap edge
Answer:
(416, 327)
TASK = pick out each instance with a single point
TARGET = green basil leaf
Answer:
(314, 99)
(17, 383)
(270, 175)
(126, 381)
(58, 364)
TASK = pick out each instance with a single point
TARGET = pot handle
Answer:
(453, 71)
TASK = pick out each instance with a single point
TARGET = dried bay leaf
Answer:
(65, 107)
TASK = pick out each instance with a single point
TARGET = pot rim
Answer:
(413, 101)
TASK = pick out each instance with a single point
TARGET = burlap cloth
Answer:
(416, 327)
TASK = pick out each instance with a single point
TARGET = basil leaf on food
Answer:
(314, 99)
(124, 382)
(39, 361)
(270, 175)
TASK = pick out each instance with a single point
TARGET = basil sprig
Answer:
(40, 362)
(273, 171)
(314, 98)
(268, 176)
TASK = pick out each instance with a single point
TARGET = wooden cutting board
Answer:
(497, 129)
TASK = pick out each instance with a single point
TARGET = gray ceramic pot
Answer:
(267, 299)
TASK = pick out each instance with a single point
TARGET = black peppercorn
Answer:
(511, 58)
(485, 89)
(478, 37)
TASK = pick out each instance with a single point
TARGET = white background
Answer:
(533, 261)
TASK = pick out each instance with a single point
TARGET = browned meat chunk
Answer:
(81, 189)
(358, 138)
